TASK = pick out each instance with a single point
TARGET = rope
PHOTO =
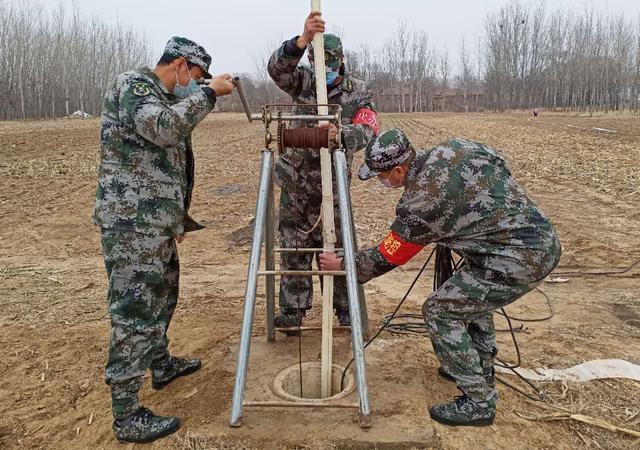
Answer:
(315, 225)
(307, 138)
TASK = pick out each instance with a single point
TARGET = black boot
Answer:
(167, 370)
(344, 319)
(144, 426)
(290, 318)
(463, 411)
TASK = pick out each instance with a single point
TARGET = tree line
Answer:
(55, 62)
(528, 57)
(578, 61)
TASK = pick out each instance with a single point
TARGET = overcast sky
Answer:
(234, 31)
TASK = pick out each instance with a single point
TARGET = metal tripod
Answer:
(264, 234)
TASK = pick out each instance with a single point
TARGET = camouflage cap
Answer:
(333, 52)
(191, 51)
(384, 152)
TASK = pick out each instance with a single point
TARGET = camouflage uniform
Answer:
(461, 195)
(298, 170)
(146, 176)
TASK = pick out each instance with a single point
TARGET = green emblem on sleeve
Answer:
(141, 89)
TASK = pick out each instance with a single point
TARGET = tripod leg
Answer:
(340, 163)
(361, 298)
(250, 291)
(270, 260)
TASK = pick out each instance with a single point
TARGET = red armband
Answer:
(366, 116)
(396, 250)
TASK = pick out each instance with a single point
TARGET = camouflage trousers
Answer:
(299, 212)
(143, 272)
(459, 318)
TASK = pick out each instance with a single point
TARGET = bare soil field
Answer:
(54, 326)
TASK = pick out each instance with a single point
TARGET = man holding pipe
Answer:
(298, 170)
(460, 195)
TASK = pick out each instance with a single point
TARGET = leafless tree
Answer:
(582, 62)
(57, 61)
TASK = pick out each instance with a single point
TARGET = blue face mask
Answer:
(332, 77)
(185, 91)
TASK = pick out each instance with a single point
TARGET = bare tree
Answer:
(465, 80)
(57, 61)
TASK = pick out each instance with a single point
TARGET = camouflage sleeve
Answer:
(392, 252)
(284, 70)
(371, 264)
(163, 124)
(363, 127)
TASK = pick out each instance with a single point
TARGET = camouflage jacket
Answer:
(146, 170)
(300, 83)
(462, 195)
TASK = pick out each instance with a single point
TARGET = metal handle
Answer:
(243, 99)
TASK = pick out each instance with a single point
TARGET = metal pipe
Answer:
(250, 291)
(362, 300)
(340, 163)
(308, 117)
(300, 273)
(301, 250)
(237, 82)
(270, 263)
(300, 404)
(312, 328)
(243, 98)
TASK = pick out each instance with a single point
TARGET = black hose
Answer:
(384, 324)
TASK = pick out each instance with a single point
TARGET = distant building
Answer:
(395, 99)
(454, 100)
(438, 99)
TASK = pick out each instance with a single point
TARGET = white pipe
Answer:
(328, 224)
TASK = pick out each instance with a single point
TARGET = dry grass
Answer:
(614, 401)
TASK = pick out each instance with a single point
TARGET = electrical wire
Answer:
(600, 272)
(415, 280)
(445, 267)
(297, 253)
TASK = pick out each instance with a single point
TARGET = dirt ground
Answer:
(54, 327)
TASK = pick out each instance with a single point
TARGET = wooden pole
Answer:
(328, 224)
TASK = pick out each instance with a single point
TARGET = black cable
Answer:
(600, 272)
(512, 368)
(384, 324)
(515, 345)
(538, 319)
(397, 326)
(445, 267)
(413, 324)
(300, 348)
(297, 253)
